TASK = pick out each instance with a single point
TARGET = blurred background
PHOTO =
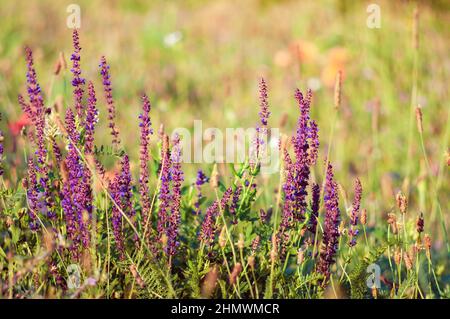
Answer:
(203, 60)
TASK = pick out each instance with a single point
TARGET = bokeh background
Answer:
(203, 60)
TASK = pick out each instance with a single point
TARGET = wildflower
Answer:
(289, 198)
(234, 204)
(261, 130)
(77, 80)
(240, 243)
(315, 203)
(32, 195)
(146, 130)
(364, 216)
(300, 256)
(331, 228)
(338, 89)
(208, 227)
(402, 202)
(222, 237)
(37, 109)
(237, 269)
(301, 142)
(353, 232)
(427, 244)
(104, 71)
(397, 256)
(91, 120)
(408, 261)
(420, 223)
(177, 179)
(210, 283)
(164, 192)
(255, 244)
(419, 118)
(120, 190)
(201, 179)
(392, 221)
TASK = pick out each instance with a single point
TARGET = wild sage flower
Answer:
(420, 224)
(104, 71)
(201, 179)
(91, 119)
(208, 228)
(331, 226)
(77, 80)
(302, 164)
(32, 196)
(264, 113)
(164, 191)
(145, 126)
(234, 204)
(175, 213)
(38, 110)
(121, 193)
(354, 216)
(315, 203)
(287, 216)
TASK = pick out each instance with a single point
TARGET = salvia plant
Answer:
(74, 229)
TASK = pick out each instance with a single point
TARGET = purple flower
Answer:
(56, 151)
(77, 80)
(32, 195)
(146, 130)
(91, 120)
(315, 203)
(331, 226)
(37, 110)
(354, 216)
(164, 192)
(121, 192)
(74, 136)
(234, 203)
(261, 130)
(209, 229)
(263, 103)
(104, 71)
(289, 200)
(314, 142)
(175, 214)
(201, 179)
(302, 164)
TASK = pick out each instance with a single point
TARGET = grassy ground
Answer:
(211, 72)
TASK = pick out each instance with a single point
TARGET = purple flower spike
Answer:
(104, 71)
(331, 227)
(32, 195)
(146, 130)
(175, 214)
(315, 203)
(121, 192)
(302, 163)
(261, 130)
(234, 204)
(37, 110)
(208, 229)
(263, 103)
(91, 120)
(201, 179)
(164, 192)
(354, 216)
(77, 80)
